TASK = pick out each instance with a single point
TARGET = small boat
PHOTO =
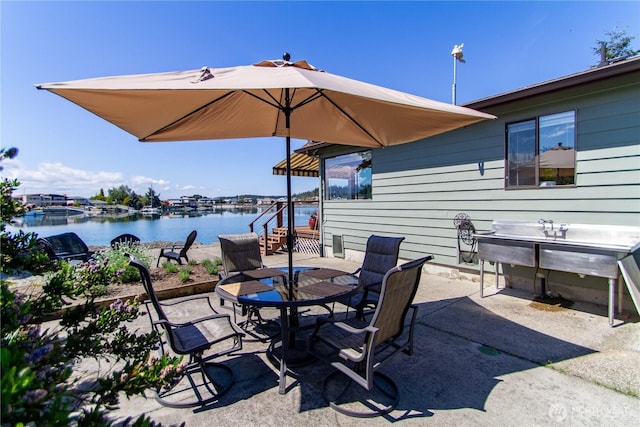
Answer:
(148, 210)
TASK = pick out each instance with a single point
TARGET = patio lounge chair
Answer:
(124, 238)
(381, 254)
(65, 246)
(358, 349)
(213, 333)
(170, 252)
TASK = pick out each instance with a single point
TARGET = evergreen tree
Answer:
(152, 198)
(617, 47)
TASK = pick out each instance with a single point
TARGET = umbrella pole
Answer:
(293, 314)
(290, 212)
(290, 220)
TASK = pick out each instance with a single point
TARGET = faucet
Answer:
(549, 230)
(547, 224)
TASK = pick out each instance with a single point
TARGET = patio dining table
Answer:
(267, 287)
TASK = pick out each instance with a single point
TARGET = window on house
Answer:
(348, 176)
(541, 152)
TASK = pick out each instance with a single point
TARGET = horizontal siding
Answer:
(610, 153)
(609, 164)
(419, 188)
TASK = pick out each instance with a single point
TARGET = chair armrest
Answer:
(341, 325)
(170, 248)
(194, 321)
(189, 299)
(358, 354)
(353, 330)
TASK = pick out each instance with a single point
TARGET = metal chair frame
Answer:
(241, 252)
(358, 349)
(170, 252)
(381, 254)
(192, 338)
(124, 238)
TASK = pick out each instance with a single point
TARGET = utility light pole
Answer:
(457, 56)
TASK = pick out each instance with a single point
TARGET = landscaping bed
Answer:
(166, 285)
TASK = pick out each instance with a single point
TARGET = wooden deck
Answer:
(306, 240)
(307, 233)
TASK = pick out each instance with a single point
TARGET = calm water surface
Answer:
(98, 231)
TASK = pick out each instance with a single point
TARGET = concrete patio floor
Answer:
(499, 360)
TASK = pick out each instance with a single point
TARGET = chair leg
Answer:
(210, 387)
(263, 330)
(348, 398)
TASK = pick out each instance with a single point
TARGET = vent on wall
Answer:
(338, 246)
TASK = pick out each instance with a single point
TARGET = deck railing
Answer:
(265, 221)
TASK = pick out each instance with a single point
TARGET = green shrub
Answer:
(170, 267)
(20, 252)
(37, 362)
(210, 266)
(184, 274)
(118, 261)
(217, 261)
(192, 262)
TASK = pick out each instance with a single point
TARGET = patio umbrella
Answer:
(270, 98)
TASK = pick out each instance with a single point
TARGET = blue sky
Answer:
(401, 45)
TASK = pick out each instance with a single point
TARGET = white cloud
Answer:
(141, 184)
(58, 178)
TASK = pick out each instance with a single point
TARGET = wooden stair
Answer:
(275, 241)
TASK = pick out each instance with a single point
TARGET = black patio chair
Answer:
(124, 238)
(65, 246)
(177, 252)
(381, 255)
(358, 349)
(241, 253)
(192, 338)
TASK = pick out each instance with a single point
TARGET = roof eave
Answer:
(583, 77)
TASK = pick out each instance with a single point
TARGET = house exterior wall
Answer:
(419, 187)
(44, 200)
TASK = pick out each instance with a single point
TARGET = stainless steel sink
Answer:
(585, 249)
(588, 261)
(507, 251)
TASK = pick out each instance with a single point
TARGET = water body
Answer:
(99, 230)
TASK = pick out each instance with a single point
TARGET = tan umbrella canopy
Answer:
(254, 101)
(271, 98)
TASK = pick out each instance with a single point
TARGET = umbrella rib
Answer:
(309, 99)
(275, 103)
(318, 94)
(354, 121)
(185, 116)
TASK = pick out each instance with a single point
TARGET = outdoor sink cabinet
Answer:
(585, 249)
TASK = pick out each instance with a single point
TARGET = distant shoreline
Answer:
(156, 244)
